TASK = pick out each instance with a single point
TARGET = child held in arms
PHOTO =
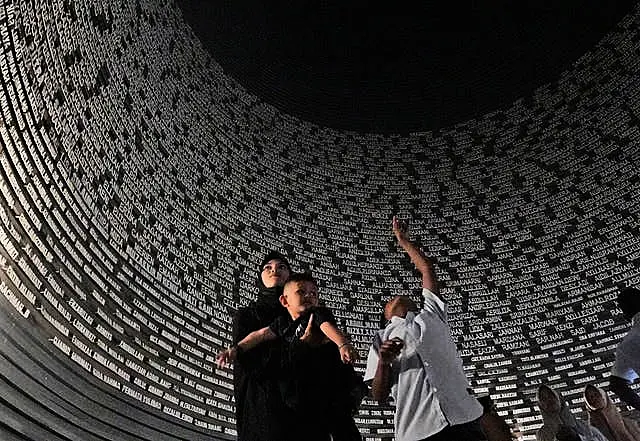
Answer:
(317, 380)
(300, 298)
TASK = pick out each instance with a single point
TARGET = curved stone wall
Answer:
(140, 186)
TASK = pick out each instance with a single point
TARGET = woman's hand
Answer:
(348, 353)
(227, 357)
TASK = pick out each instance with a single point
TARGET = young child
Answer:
(316, 364)
(415, 361)
(300, 298)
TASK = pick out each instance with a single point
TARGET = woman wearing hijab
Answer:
(604, 415)
(556, 413)
(259, 405)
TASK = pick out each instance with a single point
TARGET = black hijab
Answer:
(260, 413)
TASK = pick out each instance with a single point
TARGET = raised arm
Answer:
(422, 263)
(252, 340)
(348, 353)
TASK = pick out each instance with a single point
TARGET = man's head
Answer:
(300, 293)
(398, 307)
(594, 397)
(274, 270)
(548, 400)
(629, 302)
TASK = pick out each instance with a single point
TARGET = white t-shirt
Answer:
(429, 387)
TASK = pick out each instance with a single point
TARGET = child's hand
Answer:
(307, 336)
(390, 349)
(400, 229)
(312, 338)
(349, 354)
(227, 357)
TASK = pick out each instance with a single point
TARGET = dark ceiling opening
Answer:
(397, 68)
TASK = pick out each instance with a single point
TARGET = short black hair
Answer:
(629, 301)
(301, 277)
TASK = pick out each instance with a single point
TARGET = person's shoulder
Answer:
(630, 343)
(433, 296)
(321, 309)
(283, 320)
(634, 333)
(245, 311)
(322, 314)
(632, 336)
(433, 303)
(254, 313)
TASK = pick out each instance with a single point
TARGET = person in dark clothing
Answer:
(317, 384)
(568, 433)
(493, 425)
(260, 411)
(626, 369)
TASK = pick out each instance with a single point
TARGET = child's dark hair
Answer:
(301, 277)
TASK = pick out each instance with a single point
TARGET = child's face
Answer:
(299, 296)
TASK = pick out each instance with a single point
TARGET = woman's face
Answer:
(274, 273)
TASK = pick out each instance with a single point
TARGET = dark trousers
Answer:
(343, 428)
(471, 431)
(318, 426)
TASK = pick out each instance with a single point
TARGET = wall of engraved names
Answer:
(141, 186)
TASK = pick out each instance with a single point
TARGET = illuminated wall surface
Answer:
(140, 187)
